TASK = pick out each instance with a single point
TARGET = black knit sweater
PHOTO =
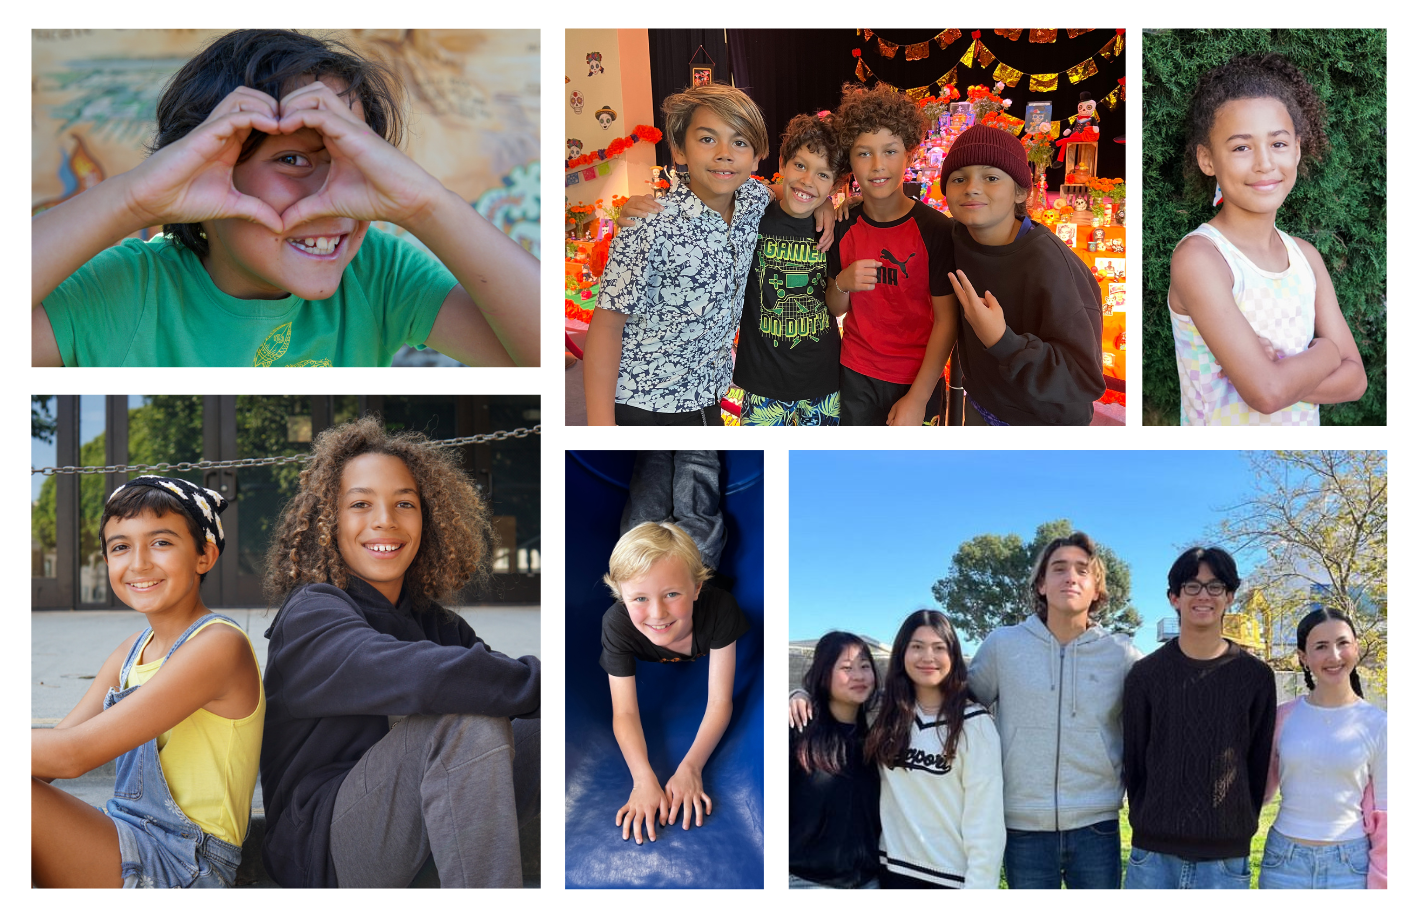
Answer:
(1197, 742)
(834, 818)
(1046, 368)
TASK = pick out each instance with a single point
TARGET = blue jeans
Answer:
(684, 487)
(1084, 857)
(1287, 864)
(1160, 870)
(159, 845)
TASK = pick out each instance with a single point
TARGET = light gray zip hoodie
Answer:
(1058, 714)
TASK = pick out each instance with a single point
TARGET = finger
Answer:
(992, 301)
(308, 210)
(244, 98)
(240, 123)
(316, 95)
(966, 283)
(809, 711)
(677, 803)
(619, 819)
(697, 804)
(652, 829)
(328, 122)
(707, 801)
(638, 827)
(256, 210)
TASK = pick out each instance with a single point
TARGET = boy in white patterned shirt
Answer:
(659, 347)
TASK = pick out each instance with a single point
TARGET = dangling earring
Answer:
(1217, 193)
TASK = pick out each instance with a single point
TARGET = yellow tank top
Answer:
(210, 762)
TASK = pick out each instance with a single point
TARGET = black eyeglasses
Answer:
(1194, 587)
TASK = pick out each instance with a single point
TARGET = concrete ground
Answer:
(67, 649)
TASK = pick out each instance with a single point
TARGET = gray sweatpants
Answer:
(463, 788)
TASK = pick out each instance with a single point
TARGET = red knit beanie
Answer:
(979, 145)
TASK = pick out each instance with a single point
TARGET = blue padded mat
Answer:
(727, 852)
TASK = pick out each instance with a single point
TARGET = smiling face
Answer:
(878, 160)
(380, 521)
(926, 661)
(1203, 610)
(250, 261)
(718, 158)
(660, 602)
(983, 198)
(154, 564)
(1253, 152)
(808, 180)
(1069, 582)
(852, 679)
(1331, 654)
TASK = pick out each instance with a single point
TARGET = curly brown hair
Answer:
(1254, 76)
(864, 110)
(456, 532)
(817, 135)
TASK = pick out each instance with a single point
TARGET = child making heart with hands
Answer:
(274, 152)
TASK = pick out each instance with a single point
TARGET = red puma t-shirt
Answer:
(887, 330)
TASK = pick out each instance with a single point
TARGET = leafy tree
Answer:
(1322, 519)
(988, 584)
(43, 423)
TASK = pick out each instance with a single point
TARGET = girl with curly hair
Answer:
(1258, 332)
(388, 732)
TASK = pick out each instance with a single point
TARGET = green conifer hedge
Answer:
(1339, 206)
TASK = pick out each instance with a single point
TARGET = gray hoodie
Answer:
(1058, 714)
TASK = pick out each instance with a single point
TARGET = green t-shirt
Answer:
(153, 304)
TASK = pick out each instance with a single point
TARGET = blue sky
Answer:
(870, 531)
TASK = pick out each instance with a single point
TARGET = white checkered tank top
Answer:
(1279, 306)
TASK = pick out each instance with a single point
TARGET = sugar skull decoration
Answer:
(596, 62)
(577, 102)
(573, 148)
(606, 116)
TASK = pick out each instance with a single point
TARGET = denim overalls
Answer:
(160, 846)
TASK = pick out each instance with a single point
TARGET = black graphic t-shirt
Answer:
(886, 332)
(716, 622)
(790, 345)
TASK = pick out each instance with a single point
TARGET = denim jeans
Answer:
(159, 845)
(1288, 864)
(1160, 870)
(684, 487)
(1084, 857)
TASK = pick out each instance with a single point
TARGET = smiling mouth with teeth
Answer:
(144, 585)
(384, 548)
(323, 246)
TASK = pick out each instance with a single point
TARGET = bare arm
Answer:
(1347, 382)
(206, 671)
(646, 804)
(603, 349)
(836, 298)
(1202, 288)
(493, 316)
(685, 787)
(910, 410)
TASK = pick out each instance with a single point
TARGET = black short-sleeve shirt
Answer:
(716, 622)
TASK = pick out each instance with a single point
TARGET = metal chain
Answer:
(264, 461)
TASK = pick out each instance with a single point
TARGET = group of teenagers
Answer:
(383, 730)
(947, 773)
(722, 251)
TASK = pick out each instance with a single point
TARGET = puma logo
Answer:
(885, 255)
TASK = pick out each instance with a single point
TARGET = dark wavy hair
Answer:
(269, 60)
(1254, 76)
(889, 736)
(816, 134)
(1303, 630)
(864, 110)
(1097, 568)
(456, 532)
(823, 747)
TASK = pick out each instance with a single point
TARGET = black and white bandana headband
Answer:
(203, 504)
